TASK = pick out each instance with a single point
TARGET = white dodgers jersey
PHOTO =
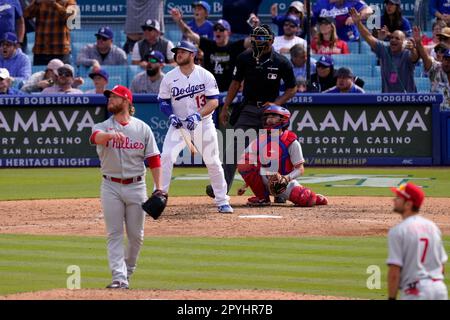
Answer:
(416, 246)
(188, 94)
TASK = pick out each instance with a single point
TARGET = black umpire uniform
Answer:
(262, 78)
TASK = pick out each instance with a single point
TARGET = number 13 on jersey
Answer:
(201, 101)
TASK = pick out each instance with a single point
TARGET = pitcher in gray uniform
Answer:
(416, 253)
(123, 143)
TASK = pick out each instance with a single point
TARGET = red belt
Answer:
(123, 181)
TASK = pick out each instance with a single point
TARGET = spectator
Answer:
(344, 83)
(324, 78)
(242, 16)
(13, 59)
(103, 52)
(327, 41)
(438, 52)
(282, 44)
(339, 11)
(298, 59)
(29, 26)
(430, 43)
(6, 83)
(219, 56)
(149, 81)
(391, 20)
(438, 72)
(138, 12)
(100, 78)
(200, 25)
(397, 59)
(11, 18)
(64, 82)
(444, 37)
(52, 31)
(302, 84)
(296, 8)
(440, 9)
(153, 40)
(43, 79)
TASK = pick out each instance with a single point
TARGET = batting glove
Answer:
(175, 121)
(193, 120)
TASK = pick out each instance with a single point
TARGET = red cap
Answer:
(121, 91)
(410, 191)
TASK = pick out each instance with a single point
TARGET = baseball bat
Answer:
(188, 141)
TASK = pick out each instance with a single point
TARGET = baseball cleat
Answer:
(279, 200)
(226, 208)
(117, 285)
(321, 200)
(257, 202)
(210, 191)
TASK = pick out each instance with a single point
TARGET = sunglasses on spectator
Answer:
(153, 60)
(1, 79)
(321, 66)
(7, 44)
(219, 29)
(290, 25)
(440, 50)
(102, 38)
(64, 73)
(148, 29)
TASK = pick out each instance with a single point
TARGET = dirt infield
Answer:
(345, 216)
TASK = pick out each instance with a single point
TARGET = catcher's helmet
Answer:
(185, 45)
(282, 112)
(261, 37)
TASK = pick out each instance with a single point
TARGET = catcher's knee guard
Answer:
(251, 176)
(303, 197)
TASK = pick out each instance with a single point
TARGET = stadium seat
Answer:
(133, 72)
(423, 84)
(76, 47)
(365, 48)
(377, 71)
(353, 46)
(35, 69)
(372, 85)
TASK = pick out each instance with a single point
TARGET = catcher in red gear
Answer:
(273, 161)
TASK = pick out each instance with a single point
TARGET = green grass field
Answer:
(323, 265)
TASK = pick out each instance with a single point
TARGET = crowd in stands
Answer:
(341, 42)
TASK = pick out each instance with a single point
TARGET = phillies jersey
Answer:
(416, 246)
(188, 94)
(125, 160)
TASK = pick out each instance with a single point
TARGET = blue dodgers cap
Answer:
(293, 19)
(224, 23)
(105, 32)
(204, 4)
(326, 61)
(447, 53)
(9, 37)
(102, 73)
(185, 45)
(157, 55)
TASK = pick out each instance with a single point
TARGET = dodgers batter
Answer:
(416, 253)
(189, 95)
(123, 143)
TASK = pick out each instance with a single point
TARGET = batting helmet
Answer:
(185, 45)
(282, 112)
(261, 37)
(156, 204)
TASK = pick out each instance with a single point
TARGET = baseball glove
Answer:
(277, 184)
(155, 205)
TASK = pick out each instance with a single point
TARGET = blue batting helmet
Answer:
(282, 112)
(185, 45)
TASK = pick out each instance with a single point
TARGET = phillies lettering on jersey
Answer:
(127, 144)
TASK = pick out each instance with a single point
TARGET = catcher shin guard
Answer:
(303, 197)
(251, 176)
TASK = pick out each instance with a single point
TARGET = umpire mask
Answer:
(261, 38)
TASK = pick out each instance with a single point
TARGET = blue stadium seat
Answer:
(372, 85)
(365, 48)
(422, 84)
(354, 59)
(167, 68)
(377, 71)
(35, 69)
(76, 47)
(88, 85)
(353, 46)
(132, 72)
(359, 70)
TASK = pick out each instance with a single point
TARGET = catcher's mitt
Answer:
(277, 184)
(156, 204)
